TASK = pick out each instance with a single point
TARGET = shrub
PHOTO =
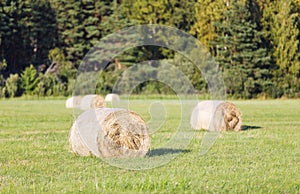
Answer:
(3, 65)
(2, 87)
(12, 85)
(48, 85)
(29, 79)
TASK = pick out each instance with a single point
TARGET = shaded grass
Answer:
(35, 157)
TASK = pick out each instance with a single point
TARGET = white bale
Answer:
(73, 102)
(92, 101)
(110, 132)
(202, 114)
(76, 143)
(216, 116)
(112, 97)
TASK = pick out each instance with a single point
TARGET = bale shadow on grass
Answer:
(165, 151)
(249, 127)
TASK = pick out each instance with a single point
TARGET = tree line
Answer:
(255, 43)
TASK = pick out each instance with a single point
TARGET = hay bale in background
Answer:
(73, 102)
(232, 117)
(92, 101)
(216, 116)
(202, 114)
(112, 97)
(111, 132)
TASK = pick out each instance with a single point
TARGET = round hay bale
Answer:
(202, 114)
(76, 143)
(92, 101)
(112, 97)
(216, 116)
(73, 102)
(112, 132)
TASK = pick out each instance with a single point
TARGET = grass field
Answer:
(265, 158)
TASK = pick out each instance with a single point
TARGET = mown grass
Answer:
(265, 158)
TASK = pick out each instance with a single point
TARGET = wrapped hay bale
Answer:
(216, 116)
(112, 97)
(110, 132)
(92, 101)
(73, 102)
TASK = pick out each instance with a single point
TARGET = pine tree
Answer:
(79, 25)
(10, 37)
(43, 30)
(27, 32)
(238, 51)
(175, 13)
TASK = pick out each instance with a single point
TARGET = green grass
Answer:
(35, 156)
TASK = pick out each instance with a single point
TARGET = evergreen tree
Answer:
(175, 13)
(281, 27)
(239, 53)
(79, 25)
(10, 37)
(43, 31)
(26, 30)
(207, 12)
(256, 42)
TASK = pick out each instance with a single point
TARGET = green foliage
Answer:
(255, 42)
(27, 32)
(179, 14)
(50, 85)
(63, 69)
(192, 72)
(56, 55)
(2, 87)
(106, 81)
(173, 79)
(239, 51)
(282, 26)
(8, 31)
(29, 79)
(86, 82)
(284, 33)
(133, 80)
(162, 78)
(207, 12)
(80, 25)
(12, 85)
(3, 64)
(167, 12)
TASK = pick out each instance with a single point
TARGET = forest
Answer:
(255, 43)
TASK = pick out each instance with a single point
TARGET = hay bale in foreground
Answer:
(216, 116)
(76, 143)
(112, 97)
(73, 102)
(110, 132)
(92, 101)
